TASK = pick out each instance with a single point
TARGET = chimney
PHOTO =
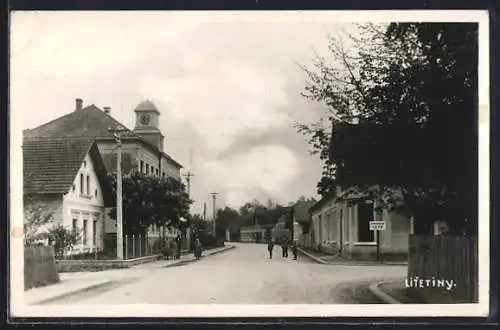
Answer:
(107, 109)
(79, 104)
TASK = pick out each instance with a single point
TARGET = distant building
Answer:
(342, 227)
(302, 222)
(67, 176)
(142, 147)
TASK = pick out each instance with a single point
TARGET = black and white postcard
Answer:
(258, 163)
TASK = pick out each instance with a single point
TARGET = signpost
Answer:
(377, 226)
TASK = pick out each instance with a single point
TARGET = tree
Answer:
(36, 219)
(150, 200)
(402, 102)
(251, 207)
(63, 239)
(226, 217)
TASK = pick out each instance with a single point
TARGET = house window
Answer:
(74, 226)
(84, 163)
(94, 233)
(81, 183)
(365, 215)
(95, 193)
(147, 168)
(88, 185)
(142, 166)
(163, 175)
(157, 172)
(85, 236)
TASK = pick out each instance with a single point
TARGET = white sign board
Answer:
(377, 225)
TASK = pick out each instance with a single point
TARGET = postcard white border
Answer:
(18, 309)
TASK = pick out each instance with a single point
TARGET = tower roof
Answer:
(146, 106)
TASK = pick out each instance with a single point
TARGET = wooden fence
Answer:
(39, 267)
(446, 258)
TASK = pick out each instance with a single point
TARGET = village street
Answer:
(243, 275)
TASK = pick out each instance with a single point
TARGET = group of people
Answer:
(285, 245)
(172, 248)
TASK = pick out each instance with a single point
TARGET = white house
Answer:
(142, 147)
(342, 227)
(67, 175)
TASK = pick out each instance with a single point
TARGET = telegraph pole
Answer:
(188, 176)
(119, 202)
(214, 197)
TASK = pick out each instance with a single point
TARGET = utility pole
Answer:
(214, 197)
(119, 202)
(188, 176)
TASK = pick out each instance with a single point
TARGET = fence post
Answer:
(126, 247)
(140, 246)
(133, 246)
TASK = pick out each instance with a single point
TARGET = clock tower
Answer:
(147, 123)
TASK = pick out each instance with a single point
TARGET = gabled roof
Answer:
(50, 165)
(89, 122)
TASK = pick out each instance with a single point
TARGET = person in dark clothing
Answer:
(270, 247)
(294, 250)
(284, 247)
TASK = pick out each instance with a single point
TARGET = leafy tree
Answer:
(251, 207)
(151, 200)
(403, 103)
(63, 239)
(36, 218)
(226, 217)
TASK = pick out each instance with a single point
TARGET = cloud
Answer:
(214, 77)
(267, 168)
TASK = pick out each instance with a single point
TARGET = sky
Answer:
(228, 89)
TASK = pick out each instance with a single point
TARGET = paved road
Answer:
(244, 275)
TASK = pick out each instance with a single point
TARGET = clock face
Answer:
(145, 119)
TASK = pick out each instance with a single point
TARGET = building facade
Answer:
(67, 177)
(342, 228)
(142, 147)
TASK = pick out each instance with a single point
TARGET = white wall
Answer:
(87, 206)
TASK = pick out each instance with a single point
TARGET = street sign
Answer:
(377, 225)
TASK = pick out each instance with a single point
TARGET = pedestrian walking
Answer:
(294, 250)
(284, 247)
(197, 249)
(270, 247)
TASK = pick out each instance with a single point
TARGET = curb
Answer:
(185, 262)
(358, 263)
(374, 288)
(74, 292)
(318, 260)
